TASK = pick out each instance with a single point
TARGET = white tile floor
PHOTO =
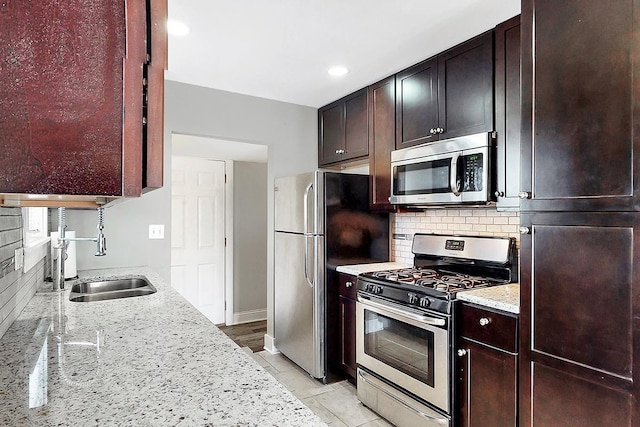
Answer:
(336, 404)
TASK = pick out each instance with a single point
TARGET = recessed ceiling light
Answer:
(337, 71)
(177, 28)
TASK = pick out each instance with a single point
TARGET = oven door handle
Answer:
(438, 420)
(402, 312)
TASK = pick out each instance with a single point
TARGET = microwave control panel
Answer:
(472, 172)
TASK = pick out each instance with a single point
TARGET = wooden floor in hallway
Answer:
(247, 334)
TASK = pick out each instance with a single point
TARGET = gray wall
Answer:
(249, 236)
(289, 130)
(16, 287)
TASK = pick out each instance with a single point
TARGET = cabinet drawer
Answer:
(489, 327)
(347, 285)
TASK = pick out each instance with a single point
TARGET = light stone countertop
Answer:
(355, 269)
(503, 297)
(152, 360)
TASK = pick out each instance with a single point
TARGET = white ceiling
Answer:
(281, 49)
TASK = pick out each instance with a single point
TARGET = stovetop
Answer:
(440, 280)
(425, 288)
(443, 266)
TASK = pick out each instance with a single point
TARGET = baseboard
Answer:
(249, 316)
(270, 344)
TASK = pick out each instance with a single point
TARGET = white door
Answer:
(197, 233)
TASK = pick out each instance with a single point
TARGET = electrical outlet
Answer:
(19, 258)
(156, 231)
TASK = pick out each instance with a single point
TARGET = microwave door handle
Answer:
(454, 183)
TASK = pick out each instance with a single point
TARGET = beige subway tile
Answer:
(472, 220)
(509, 228)
(480, 227)
(494, 228)
(465, 227)
(485, 220)
(452, 212)
(480, 212)
(501, 220)
(459, 220)
(514, 220)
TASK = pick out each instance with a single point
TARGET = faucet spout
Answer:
(60, 255)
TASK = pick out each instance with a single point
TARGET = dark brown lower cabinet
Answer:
(487, 380)
(341, 324)
(580, 319)
(347, 335)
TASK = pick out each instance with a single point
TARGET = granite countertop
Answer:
(503, 297)
(355, 269)
(152, 360)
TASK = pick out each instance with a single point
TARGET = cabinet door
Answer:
(347, 309)
(382, 138)
(487, 386)
(465, 88)
(343, 129)
(579, 99)
(417, 104)
(579, 286)
(508, 110)
(331, 133)
(356, 143)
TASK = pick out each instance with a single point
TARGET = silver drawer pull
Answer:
(484, 321)
(348, 284)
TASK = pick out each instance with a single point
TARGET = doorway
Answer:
(198, 233)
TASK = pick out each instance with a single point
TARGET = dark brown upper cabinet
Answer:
(508, 112)
(81, 104)
(579, 141)
(382, 139)
(343, 130)
(448, 95)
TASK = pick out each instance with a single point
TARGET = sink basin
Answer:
(111, 289)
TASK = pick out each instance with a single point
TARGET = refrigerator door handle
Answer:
(306, 262)
(305, 210)
(305, 230)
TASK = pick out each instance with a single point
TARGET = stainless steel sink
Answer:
(111, 289)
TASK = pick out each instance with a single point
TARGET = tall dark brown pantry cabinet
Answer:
(580, 219)
(81, 99)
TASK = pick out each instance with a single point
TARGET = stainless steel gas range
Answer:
(405, 324)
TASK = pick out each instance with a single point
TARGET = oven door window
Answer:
(426, 177)
(402, 346)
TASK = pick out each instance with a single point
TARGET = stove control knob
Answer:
(413, 298)
(378, 290)
(369, 287)
(425, 302)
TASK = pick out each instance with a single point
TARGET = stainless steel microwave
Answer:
(452, 171)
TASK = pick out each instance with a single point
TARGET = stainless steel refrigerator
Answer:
(322, 219)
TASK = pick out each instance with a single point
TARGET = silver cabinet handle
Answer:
(462, 352)
(439, 130)
(433, 131)
(499, 193)
(348, 284)
(484, 321)
(524, 195)
(525, 230)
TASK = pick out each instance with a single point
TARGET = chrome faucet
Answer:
(63, 243)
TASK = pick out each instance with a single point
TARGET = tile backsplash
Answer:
(474, 222)
(16, 287)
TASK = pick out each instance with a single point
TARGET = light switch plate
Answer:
(19, 258)
(156, 231)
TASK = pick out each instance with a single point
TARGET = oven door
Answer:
(406, 347)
